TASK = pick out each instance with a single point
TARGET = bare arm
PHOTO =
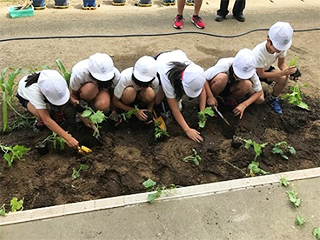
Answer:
(211, 100)
(239, 110)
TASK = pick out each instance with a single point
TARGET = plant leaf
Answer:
(316, 232)
(299, 220)
(149, 183)
(284, 182)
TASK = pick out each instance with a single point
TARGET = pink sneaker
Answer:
(196, 20)
(178, 22)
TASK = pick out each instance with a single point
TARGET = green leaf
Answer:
(2, 210)
(316, 232)
(293, 197)
(151, 197)
(75, 173)
(284, 182)
(86, 113)
(97, 117)
(299, 220)
(293, 61)
(149, 183)
(84, 167)
(16, 205)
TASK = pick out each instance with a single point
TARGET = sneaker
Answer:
(190, 2)
(58, 117)
(38, 125)
(178, 22)
(274, 103)
(219, 18)
(196, 20)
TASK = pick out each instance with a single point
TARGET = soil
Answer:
(129, 154)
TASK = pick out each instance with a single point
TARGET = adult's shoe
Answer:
(196, 20)
(240, 17)
(219, 18)
(178, 22)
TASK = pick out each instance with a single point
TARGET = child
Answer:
(138, 83)
(233, 78)
(275, 48)
(178, 75)
(91, 81)
(38, 89)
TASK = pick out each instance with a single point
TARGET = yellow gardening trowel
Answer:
(159, 120)
(84, 149)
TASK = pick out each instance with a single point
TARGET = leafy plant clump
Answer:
(293, 61)
(56, 141)
(95, 117)
(11, 153)
(299, 220)
(3, 210)
(203, 116)
(283, 149)
(128, 114)
(316, 232)
(255, 169)
(15, 204)
(284, 182)
(295, 96)
(193, 157)
(151, 185)
(293, 197)
(76, 172)
(256, 147)
(159, 133)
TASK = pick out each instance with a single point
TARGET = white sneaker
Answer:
(180, 105)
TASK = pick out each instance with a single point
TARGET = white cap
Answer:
(244, 64)
(193, 80)
(101, 66)
(54, 87)
(281, 35)
(145, 69)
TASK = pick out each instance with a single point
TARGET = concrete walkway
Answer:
(248, 209)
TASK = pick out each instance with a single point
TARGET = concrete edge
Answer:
(127, 200)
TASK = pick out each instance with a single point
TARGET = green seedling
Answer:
(159, 133)
(193, 157)
(283, 149)
(299, 220)
(293, 61)
(255, 169)
(16, 205)
(66, 74)
(11, 153)
(316, 232)
(56, 140)
(256, 147)
(76, 173)
(203, 116)
(293, 197)
(150, 185)
(31, 70)
(284, 182)
(128, 114)
(95, 117)
(3, 210)
(295, 96)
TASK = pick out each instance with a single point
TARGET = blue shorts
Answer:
(24, 102)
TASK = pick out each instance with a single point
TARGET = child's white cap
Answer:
(281, 35)
(54, 87)
(101, 66)
(193, 80)
(244, 64)
(145, 69)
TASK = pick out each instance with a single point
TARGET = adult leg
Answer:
(223, 11)
(237, 10)
(180, 6)
(197, 6)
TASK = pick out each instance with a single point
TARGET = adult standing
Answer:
(237, 10)
(195, 19)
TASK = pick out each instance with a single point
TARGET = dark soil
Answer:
(130, 155)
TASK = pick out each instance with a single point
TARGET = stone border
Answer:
(184, 192)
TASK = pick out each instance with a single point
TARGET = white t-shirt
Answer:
(163, 67)
(81, 75)
(223, 66)
(32, 94)
(126, 81)
(264, 58)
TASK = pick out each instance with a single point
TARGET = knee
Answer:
(147, 94)
(88, 92)
(102, 104)
(129, 95)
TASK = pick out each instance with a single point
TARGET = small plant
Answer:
(293, 197)
(255, 169)
(299, 220)
(16, 205)
(159, 133)
(283, 149)
(11, 153)
(193, 157)
(150, 185)
(3, 210)
(316, 232)
(66, 74)
(56, 140)
(293, 61)
(95, 117)
(76, 173)
(295, 96)
(284, 182)
(128, 114)
(256, 147)
(203, 116)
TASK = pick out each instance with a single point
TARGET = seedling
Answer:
(66, 74)
(193, 157)
(76, 173)
(95, 117)
(159, 133)
(150, 185)
(3, 210)
(316, 232)
(283, 149)
(295, 96)
(299, 220)
(293, 61)
(11, 153)
(128, 114)
(16, 205)
(255, 169)
(284, 182)
(256, 147)
(203, 116)
(56, 140)
(293, 197)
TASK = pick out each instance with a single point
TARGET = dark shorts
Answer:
(266, 80)
(226, 90)
(24, 102)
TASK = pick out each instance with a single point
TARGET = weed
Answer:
(256, 147)
(66, 74)
(316, 232)
(16, 205)
(10, 153)
(283, 149)
(293, 197)
(159, 133)
(255, 169)
(284, 182)
(295, 96)
(56, 140)
(203, 116)
(76, 173)
(299, 220)
(193, 157)
(150, 185)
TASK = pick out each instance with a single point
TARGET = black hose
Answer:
(147, 35)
